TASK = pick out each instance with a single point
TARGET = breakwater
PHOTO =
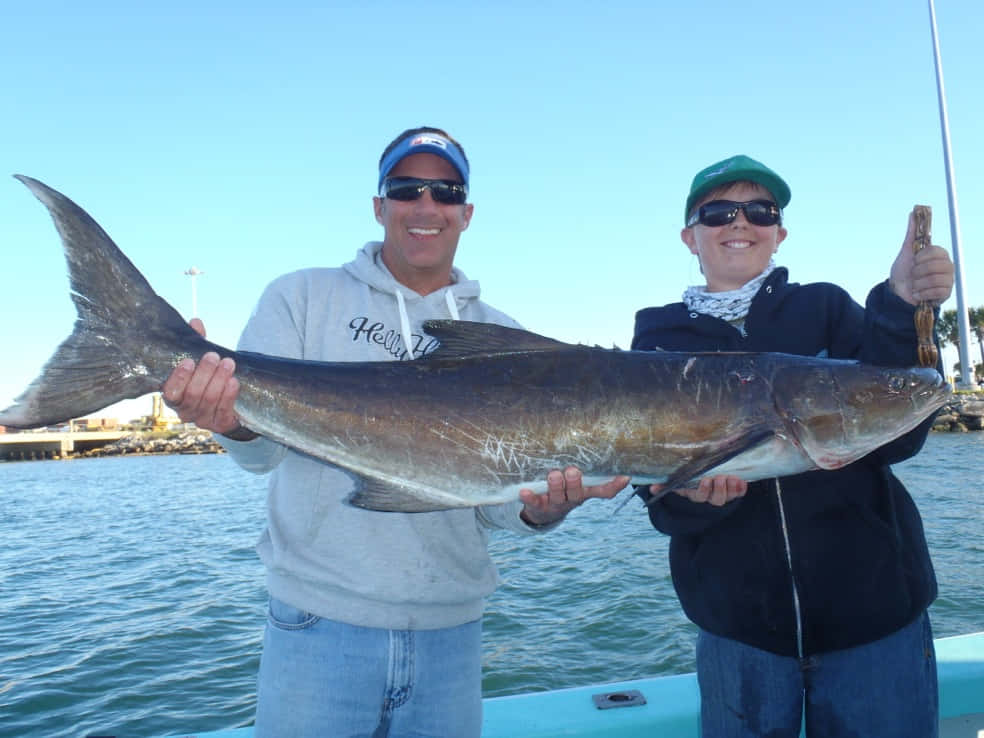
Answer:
(140, 443)
(965, 412)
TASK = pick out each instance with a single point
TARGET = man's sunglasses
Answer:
(721, 212)
(444, 191)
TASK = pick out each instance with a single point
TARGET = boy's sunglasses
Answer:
(721, 212)
(444, 191)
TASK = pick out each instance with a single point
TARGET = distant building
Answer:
(106, 424)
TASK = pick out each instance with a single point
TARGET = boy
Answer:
(810, 592)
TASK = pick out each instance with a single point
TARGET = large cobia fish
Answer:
(492, 410)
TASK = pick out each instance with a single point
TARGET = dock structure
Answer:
(53, 444)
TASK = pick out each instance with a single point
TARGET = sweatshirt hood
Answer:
(368, 267)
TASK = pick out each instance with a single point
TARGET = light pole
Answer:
(963, 321)
(194, 273)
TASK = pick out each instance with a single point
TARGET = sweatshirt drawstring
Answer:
(405, 325)
(792, 576)
(452, 305)
(405, 319)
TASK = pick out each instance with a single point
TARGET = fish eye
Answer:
(896, 383)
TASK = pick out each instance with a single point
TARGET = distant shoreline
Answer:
(158, 442)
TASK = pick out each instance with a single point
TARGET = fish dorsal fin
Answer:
(466, 338)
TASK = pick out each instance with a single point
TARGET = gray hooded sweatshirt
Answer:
(382, 570)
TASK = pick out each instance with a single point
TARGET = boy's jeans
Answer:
(324, 678)
(885, 688)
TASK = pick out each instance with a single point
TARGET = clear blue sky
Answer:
(242, 138)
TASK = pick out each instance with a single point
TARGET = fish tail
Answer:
(126, 336)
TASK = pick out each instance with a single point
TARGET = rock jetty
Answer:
(142, 443)
(965, 412)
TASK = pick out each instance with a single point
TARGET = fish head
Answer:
(839, 411)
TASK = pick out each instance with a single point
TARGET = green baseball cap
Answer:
(738, 168)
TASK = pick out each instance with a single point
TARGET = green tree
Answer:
(977, 326)
(946, 328)
(978, 371)
(949, 333)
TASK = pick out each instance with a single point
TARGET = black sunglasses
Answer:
(721, 212)
(444, 191)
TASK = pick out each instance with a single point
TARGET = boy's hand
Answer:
(717, 490)
(924, 275)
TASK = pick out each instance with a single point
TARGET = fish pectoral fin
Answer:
(703, 464)
(382, 496)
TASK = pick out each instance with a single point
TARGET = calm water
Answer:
(132, 603)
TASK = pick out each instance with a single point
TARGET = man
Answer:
(374, 625)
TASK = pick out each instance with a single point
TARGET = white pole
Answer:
(194, 273)
(963, 321)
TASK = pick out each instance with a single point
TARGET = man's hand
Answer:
(564, 492)
(204, 393)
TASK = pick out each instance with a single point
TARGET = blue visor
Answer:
(424, 143)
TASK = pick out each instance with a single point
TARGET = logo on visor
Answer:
(429, 141)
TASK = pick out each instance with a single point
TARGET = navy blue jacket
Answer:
(854, 547)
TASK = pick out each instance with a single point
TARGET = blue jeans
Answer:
(885, 688)
(322, 678)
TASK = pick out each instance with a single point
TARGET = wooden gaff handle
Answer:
(928, 355)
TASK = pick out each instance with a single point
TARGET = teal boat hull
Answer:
(670, 705)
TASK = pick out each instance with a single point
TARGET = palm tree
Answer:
(977, 326)
(949, 333)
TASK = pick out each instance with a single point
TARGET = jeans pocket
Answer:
(287, 617)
